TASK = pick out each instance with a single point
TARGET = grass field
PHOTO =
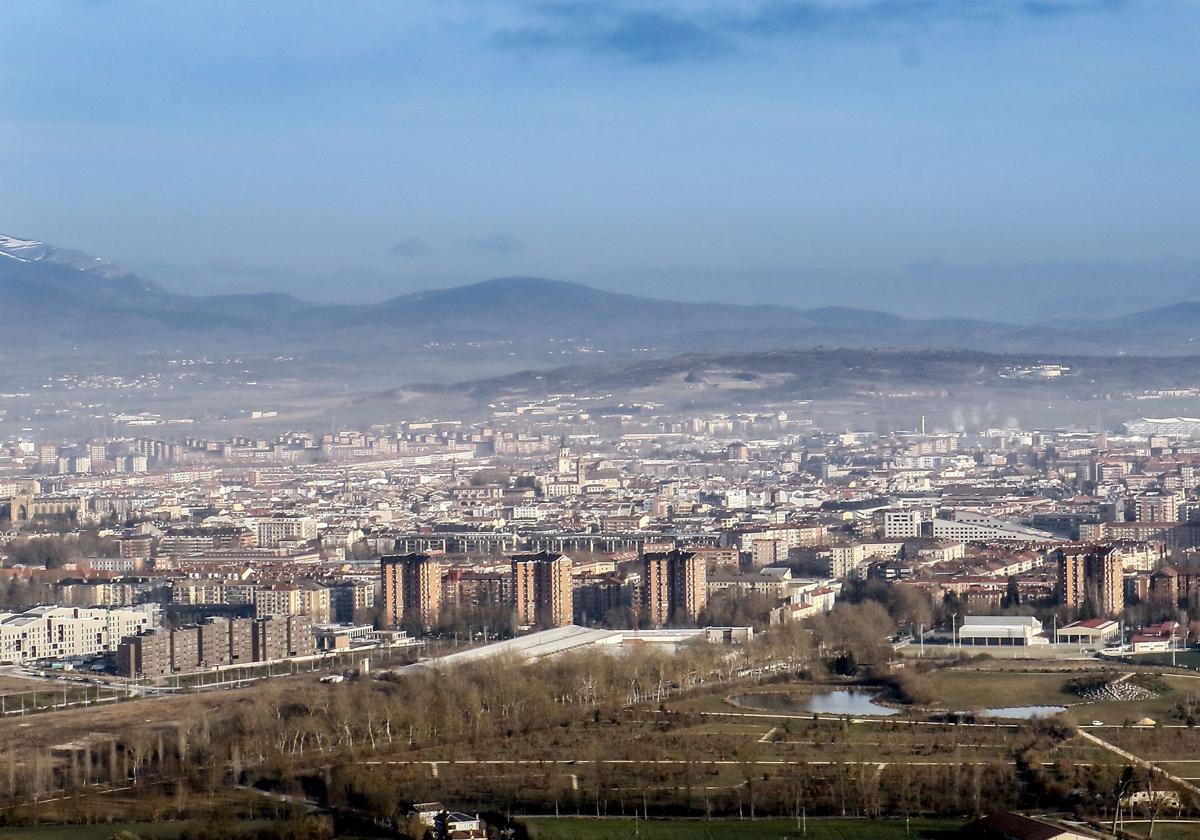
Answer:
(16, 685)
(750, 730)
(163, 830)
(1165, 830)
(818, 829)
(956, 689)
(149, 831)
(45, 698)
(979, 689)
(1181, 659)
(1157, 708)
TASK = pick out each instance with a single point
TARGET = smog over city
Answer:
(597, 419)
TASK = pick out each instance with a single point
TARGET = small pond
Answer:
(1023, 712)
(837, 701)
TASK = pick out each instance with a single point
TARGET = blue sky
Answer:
(988, 158)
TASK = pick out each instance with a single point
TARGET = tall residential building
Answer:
(471, 588)
(674, 589)
(185, 649)
(1090, 575)
(47, 456)
(350, 598)
(903, 524)
(1157, 507)
(1177, 584)
(412, 589)
(215, 649)
(542, 589)
(145, 655)
(304, 598)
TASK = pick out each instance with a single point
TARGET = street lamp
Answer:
(954, 630)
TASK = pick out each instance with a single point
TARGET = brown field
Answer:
(688, 756)
(17, 685)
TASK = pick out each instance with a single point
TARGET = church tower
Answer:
(565, 465)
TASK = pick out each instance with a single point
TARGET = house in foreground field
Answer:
(448, 825)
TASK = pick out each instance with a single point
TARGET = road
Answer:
(1140, 762)
(434, 764)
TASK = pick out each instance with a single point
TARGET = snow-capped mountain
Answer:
(33, 250)
(55, 297)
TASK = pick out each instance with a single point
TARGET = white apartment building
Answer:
(844, 559)
(736, 498)
(293, 599)
(278, 528)
(806, 598)
(53, 632)
(902, 524)
(121, 565)
(212, 591)
(788, 536)
(557, 489)
(942, 551)
(1139, 557)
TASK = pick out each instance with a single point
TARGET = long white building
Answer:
(53, 632)
(1020, 630)
(968, 526)
(1182, 427)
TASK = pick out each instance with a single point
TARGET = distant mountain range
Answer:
(56, 299)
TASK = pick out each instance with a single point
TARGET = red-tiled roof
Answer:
(1018, 827)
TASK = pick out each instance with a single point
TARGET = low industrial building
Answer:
(560, 640)
(331, 637)
(1155, 638)
(1093, 632)
(1001, 631)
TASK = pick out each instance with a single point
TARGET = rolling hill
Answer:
(57, 298)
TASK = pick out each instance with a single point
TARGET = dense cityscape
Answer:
(600, 420)
(147, 567)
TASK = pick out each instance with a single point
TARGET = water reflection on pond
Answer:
(837, 701)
